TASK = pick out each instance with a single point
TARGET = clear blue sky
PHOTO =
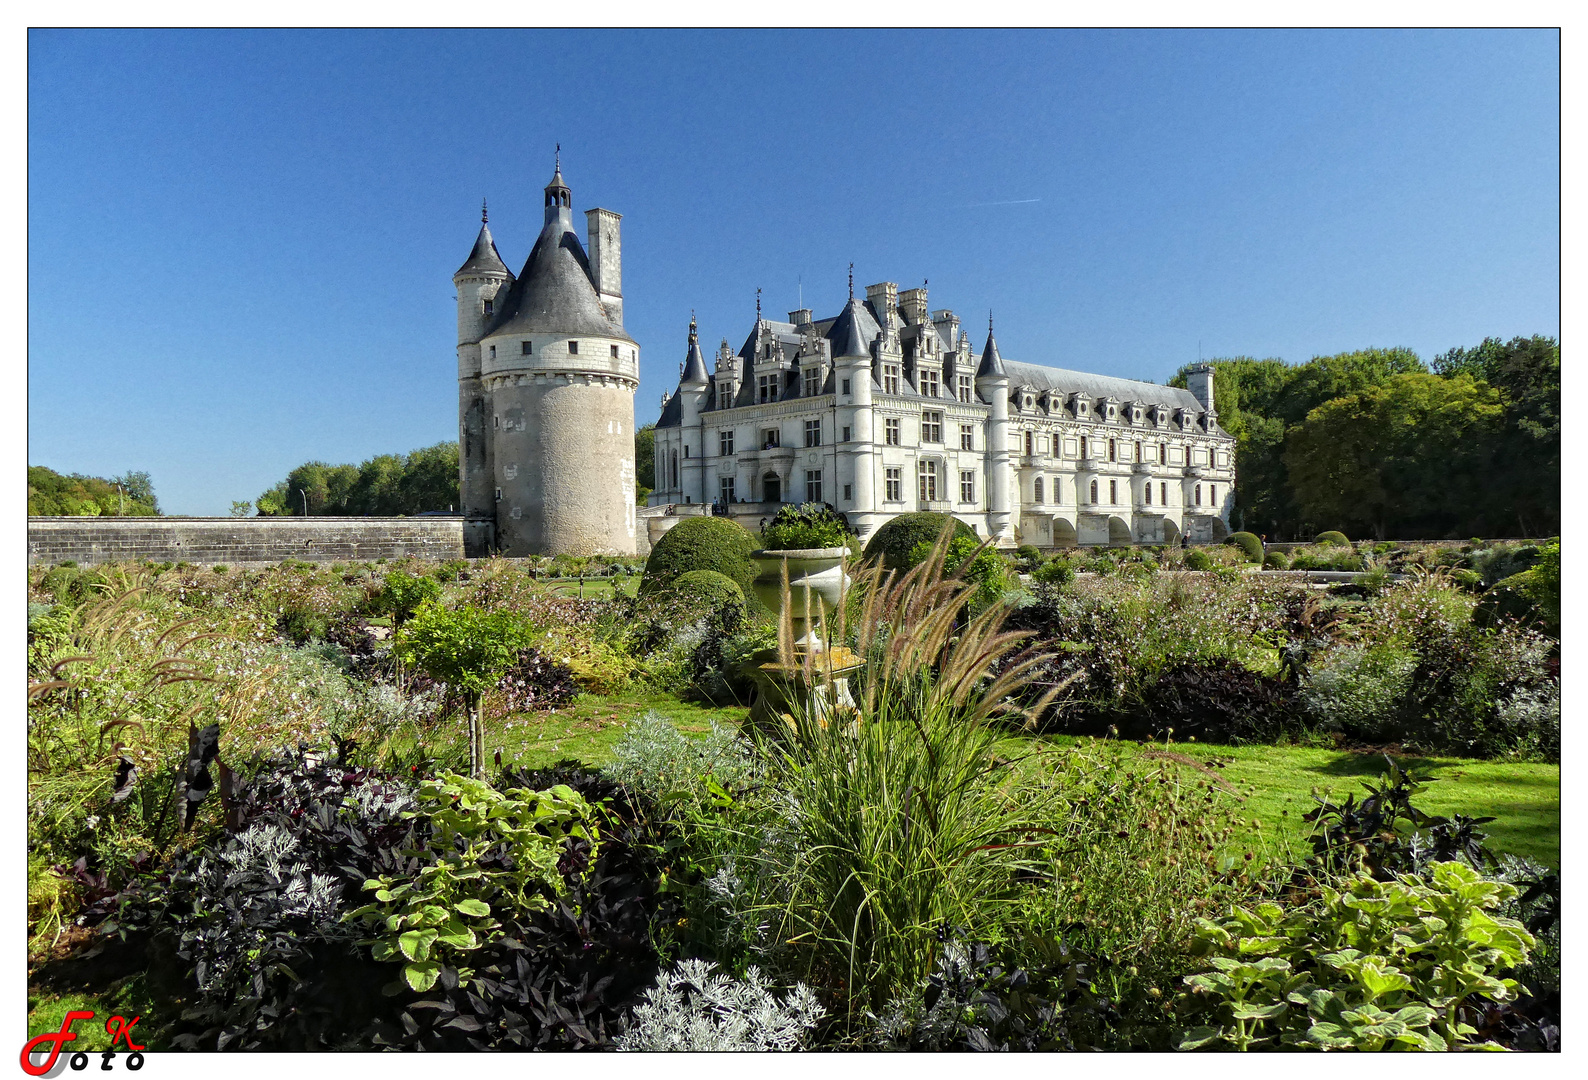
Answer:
(241, 244)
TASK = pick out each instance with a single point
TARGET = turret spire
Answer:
(851, 281)
(485, 213)
(992, 365)
(692, 372)
(558, 197)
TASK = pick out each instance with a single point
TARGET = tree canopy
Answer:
(387, 485)
(51, 494)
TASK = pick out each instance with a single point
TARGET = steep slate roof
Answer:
(852, 333)
(992, 365)
(672, 413)
(694, 364)
(484, 256)
(554, 293)
(1086, 384)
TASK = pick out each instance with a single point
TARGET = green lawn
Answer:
(1276, 781)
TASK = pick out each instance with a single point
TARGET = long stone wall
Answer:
(242, 541)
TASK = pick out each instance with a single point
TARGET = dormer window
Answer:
(890, 378)
(573, 348)
(929, 384)
(1029, 401)
(813, 382)
(964, 387)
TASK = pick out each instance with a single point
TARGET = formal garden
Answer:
(1222, 798)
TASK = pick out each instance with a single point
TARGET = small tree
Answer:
(467, 649)
(242, 509)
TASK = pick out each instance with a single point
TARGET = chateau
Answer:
(885, 408)
(546, 381)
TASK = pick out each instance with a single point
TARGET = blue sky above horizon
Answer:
(241, 243)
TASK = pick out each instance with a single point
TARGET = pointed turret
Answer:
(559, 200)
(992, 365)
(484, 258)
(694, 375)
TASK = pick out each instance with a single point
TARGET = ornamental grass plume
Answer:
(909, 821)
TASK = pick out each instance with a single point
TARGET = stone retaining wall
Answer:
(242, 541)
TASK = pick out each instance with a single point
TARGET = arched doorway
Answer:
(771, 488)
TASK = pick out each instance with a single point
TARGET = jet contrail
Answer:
(1010, 202)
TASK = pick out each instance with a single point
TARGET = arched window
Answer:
(1094, 492)
(1036, 489)
(1147, 491)
(1199, 494)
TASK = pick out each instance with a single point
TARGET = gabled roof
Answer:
(554, 294)
(1088, 385)
(484, 257)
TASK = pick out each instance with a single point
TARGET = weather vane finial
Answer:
(989, 320)
(559, 158)
(485, 213)
(851, 281)
(758, 306)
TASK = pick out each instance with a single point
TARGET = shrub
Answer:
(1275, 560)
(1331, 538)
(1469, 580)
(1057, 572)
(402, 593)
(896, 540)
(1250, 545)
(1359, 688)
(707, 590)
(973, 562)
(700, 543)
(809, 525)
(692, 1008)
(536, 681)
(1408, 963)
(1218, 701)
(1027, 558)
(1197, 559)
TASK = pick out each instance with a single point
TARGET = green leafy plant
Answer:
(971, 561)
(1403, 964)
(1331, 538)
(700, 543)
(468, 649)
(402, 593)
(896, 540)
(486, 848)
(1197, 559)
(810, 525)
(1248, 543)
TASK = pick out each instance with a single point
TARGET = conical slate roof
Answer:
(992, 365)
(853, 331)
(554, 293)
(484, 257)
(695, 364)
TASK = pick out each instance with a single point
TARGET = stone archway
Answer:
(1171, 532)
(1119, 534)
(1220, 530)
(1063, 533)
(771, 488)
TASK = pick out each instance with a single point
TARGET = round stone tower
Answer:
(558, 375)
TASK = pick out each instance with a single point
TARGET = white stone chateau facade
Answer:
(885, 409)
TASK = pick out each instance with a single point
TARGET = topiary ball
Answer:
(707, 589)
(1198, 560)
(1054, 572)
(1333, 537)
(1275, 560)
(896, 539)
(1250, 545)
(700, 543)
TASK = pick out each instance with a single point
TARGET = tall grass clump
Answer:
(908, 819)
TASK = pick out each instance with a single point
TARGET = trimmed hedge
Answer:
(1054, 572)
(1251, 546)
(896, 539)
(1332, 537)
(1275, 560)
(707, 589)
(700, 543)
(1196, 559)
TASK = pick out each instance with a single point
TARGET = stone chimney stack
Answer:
(912, 303)
(606, 259)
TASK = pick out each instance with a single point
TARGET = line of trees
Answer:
(53, 494)
(387, 485)
(1375, 442)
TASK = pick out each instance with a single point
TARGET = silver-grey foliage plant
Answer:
(694, 1008)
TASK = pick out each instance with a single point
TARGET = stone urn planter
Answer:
(817, 680)
(817, 585)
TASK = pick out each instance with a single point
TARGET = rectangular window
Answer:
(927, 473)
(725, 443)
(890, 378)
(813, 485)
(1213, 495)
(813, 434)
(846, 435)
(498, 494)
(890, 431)
(967, 487)
(725, 491)
(614, 352)
(1199, 494)
(847, 489)
(1147, 490)
(1031, 444)
(490, 307)
(573, 348)
(1113, 492)
(496, 421)
(964, 388)
(493, 352)
(929, 384)
(526, 348)
(1163, 494)
(771, 438)
(846, 386)
(766, 388)
(686, 451)
(725, 396)
(1111, 450)
(813, 381)
(893, 480)
(932, 427)
(967, 437)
